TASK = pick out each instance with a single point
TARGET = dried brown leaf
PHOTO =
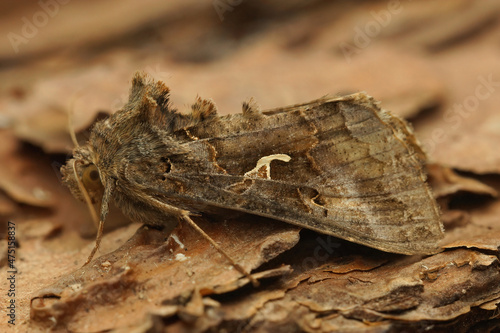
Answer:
(445, 182)
(147, 273)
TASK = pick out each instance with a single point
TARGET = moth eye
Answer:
(91, 178)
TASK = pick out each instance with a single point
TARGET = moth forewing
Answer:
(354, 171)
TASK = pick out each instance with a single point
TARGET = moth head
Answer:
(81, 174)
(83, 177)
(86, 182)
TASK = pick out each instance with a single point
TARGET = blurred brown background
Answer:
(436, 63)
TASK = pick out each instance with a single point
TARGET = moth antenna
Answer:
(240, 269)
(86, 196)
(71, 129)
(97, 222)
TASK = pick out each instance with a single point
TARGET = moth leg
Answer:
(104, 210)
(97, 242)
(240, 269)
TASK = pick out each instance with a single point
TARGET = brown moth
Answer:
(337, 165)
